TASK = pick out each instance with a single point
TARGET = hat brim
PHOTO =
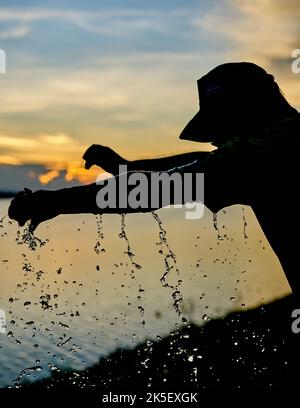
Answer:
(197, 129)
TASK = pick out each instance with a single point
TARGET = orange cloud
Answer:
(49, 176)
(75, 171)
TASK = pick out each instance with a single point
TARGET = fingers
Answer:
(88, 156)
(88, 165)
(90, 151)
(88, 162)
(33, 224)
(21, 223)
(101, 156)
(27, 206)
(18, 208)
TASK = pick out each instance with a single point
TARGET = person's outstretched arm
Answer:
(109, 160)
(46, 204)
(224, 186)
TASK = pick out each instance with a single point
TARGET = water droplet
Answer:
(170, 263)
(215, 222)
(245, 223)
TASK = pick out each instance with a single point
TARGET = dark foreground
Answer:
(252, 351)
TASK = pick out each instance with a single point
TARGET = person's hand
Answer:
(104, 157)
(35, 207)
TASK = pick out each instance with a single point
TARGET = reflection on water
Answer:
(95, 284)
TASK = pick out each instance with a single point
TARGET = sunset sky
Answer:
(123, 74)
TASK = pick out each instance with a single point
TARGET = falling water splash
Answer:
(135, 266)
(215, 221)
(4, 233)
(98, 246)
(245, 223)
(170, 264)
(28, 238)
(26, 373)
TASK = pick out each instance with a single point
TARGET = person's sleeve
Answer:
(227, 176)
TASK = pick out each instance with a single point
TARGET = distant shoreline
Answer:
(7, 194)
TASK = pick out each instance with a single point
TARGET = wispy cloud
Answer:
(34, 14)
(56, 139)
(261, 30)
(14, 33)
(116, 22)
(41, 141)
(17, 142)
(6, 159)
(128, 87)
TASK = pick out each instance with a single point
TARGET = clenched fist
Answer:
(104, 157)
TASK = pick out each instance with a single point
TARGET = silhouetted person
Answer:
(257, 133)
